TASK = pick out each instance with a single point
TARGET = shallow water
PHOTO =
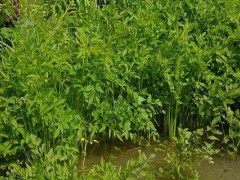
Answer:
(223, 168)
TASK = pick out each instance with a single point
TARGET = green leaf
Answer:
(99, 89)
(140, 100)
(149, 99)
(88, 88)
(3, 134)
(213, 138)
(127, 126)
(56, 133)
(14, 123)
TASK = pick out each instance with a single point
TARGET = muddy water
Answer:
(119, 154)
(223, 168)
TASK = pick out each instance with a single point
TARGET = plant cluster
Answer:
(74, 73)
(135, 169)
(189, 150)
(9, 10)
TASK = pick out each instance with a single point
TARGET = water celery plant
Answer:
(75, 73)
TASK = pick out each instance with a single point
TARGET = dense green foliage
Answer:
(7, 10)
(75, 73)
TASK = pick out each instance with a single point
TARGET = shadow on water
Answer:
(120, 153)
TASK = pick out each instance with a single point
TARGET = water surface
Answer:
(120, 154)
